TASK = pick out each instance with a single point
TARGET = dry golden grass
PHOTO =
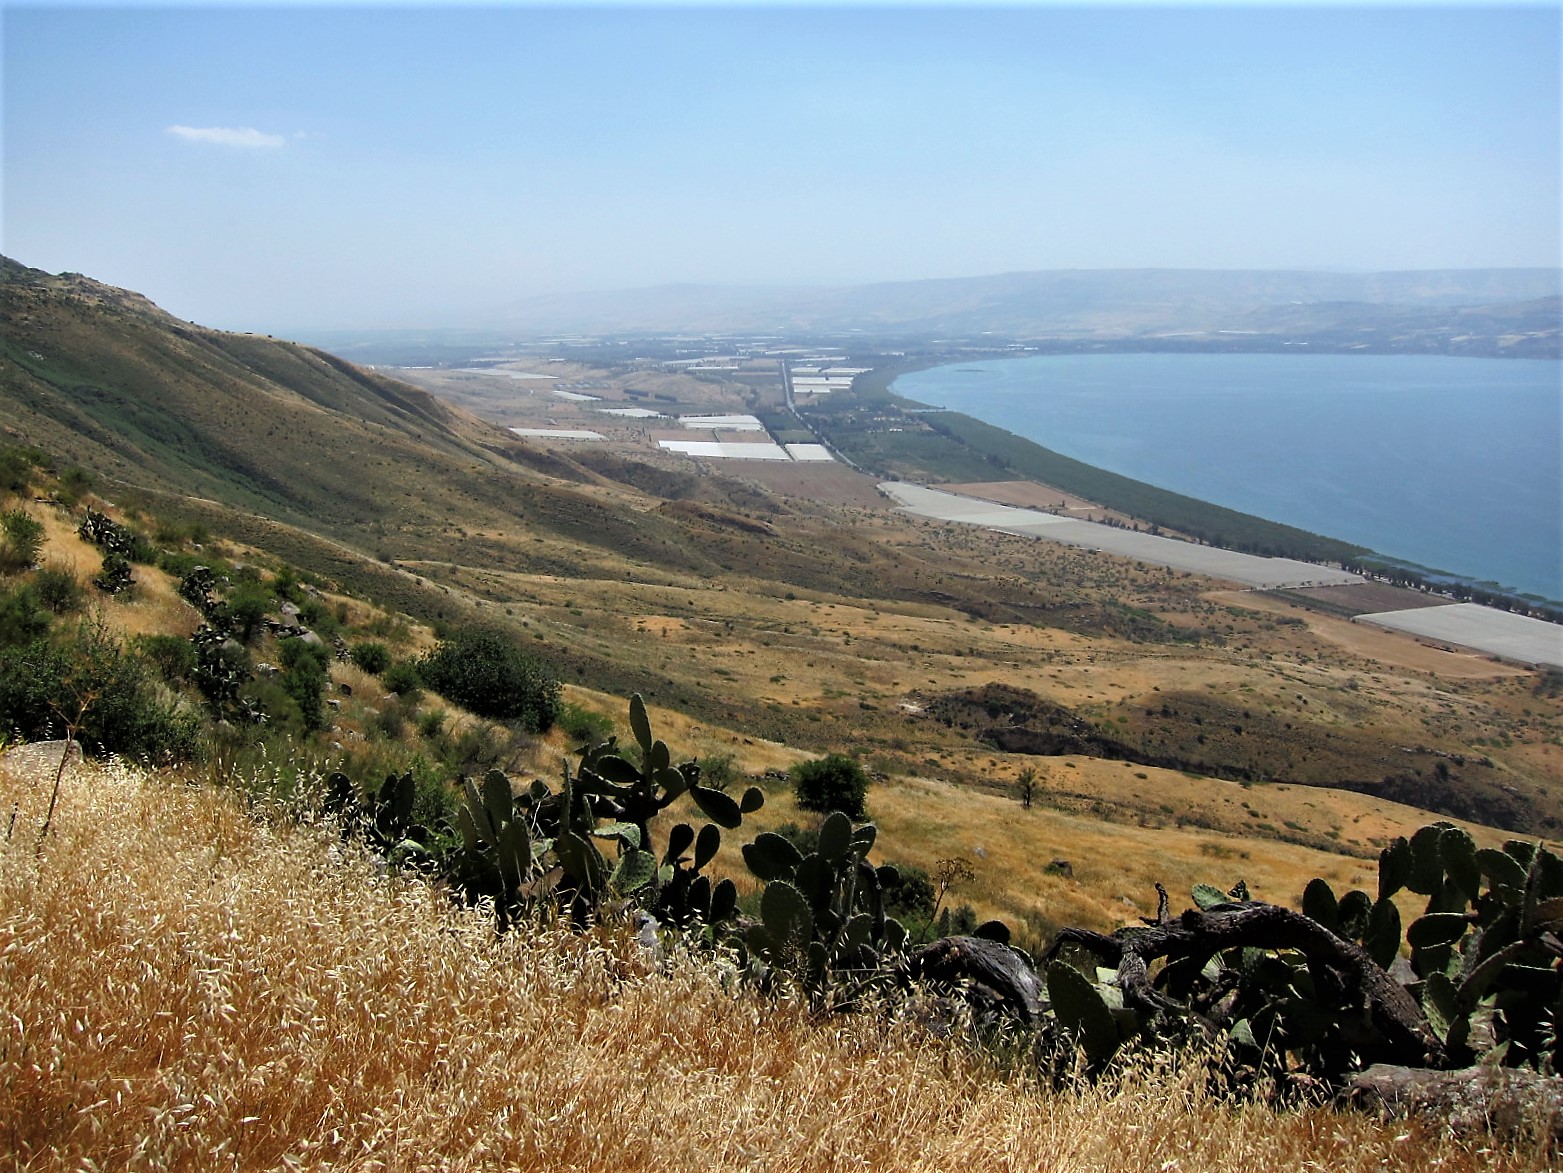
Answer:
(188, 988)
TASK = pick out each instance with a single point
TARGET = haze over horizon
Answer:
(293, 168)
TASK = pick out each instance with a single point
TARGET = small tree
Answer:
(245, 610)
(1026, 785)
(304, 678)
(21, 537)
(832, 783)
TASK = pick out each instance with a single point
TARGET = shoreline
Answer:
(1367, 560)
(1488, 630)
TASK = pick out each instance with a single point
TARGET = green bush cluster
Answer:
(112, 696)
(21, 538)
(374, 658)
(832, 783)
(17, 470)
(484, 670)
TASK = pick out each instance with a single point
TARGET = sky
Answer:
(291, 168)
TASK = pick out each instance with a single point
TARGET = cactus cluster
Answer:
(106, 533)
(1487, 951)
(1478, 976)
(383, 818)
(503, 853)
(199, 589)
(540, 842)
(115, 575)
(685, 897)
(822, 914)
(220, 673)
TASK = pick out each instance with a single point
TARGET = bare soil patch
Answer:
(1364, 598)
(1025, 494)
(1035, 495)
(1390, 648)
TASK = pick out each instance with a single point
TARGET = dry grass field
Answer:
(769, 677)
(190, 986)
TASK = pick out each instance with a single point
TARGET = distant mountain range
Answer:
(1488, 310)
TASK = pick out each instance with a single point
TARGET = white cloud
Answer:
(228, 136)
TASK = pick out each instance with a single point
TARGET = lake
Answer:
(1451, 464)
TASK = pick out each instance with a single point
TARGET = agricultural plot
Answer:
(1514, 637)
(1266, 573)
(719, 450)
(558, 434)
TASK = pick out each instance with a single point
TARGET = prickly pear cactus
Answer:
(383, 818)
(822, 914)
(1488, 948)
(550, 843)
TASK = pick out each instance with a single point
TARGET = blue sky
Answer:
(291, 168)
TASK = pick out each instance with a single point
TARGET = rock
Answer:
(1060, 867)
(40, 759)
(1515, 1103)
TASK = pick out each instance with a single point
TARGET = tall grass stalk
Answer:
(186, 987)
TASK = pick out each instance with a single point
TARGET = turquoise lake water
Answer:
(1449, 463)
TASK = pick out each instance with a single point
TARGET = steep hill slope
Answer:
(253, 422)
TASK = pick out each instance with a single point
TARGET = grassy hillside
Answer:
(259, 998)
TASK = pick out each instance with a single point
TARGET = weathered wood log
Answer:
(1514, 1103)
(1198, 936)
(993, 978)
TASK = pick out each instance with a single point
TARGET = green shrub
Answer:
(476, 746)
(404, 679)
(22, 616)
(142, 550)
(16, 471)
(718, 770)
(58, 588)
(286, 586)
(832, 783)
(391, 720)
(245, 610)
(180, 533)
(485, 671)
(910, 896)
(113, 696)
(21, 537)
(178, 565)
(583, 726)
(319, 618)
(373, 658)
(304, 679)
(174, 658)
